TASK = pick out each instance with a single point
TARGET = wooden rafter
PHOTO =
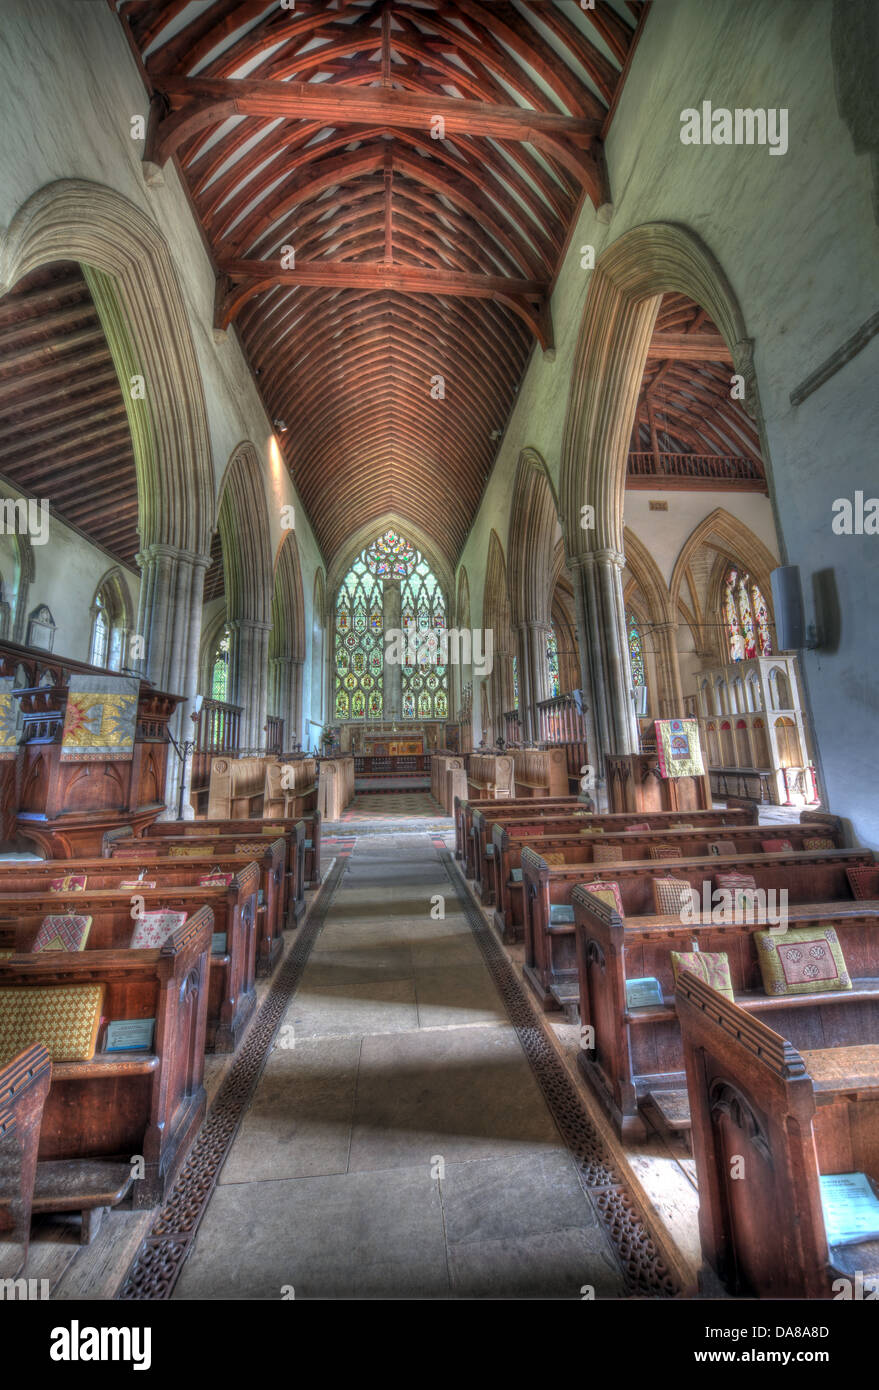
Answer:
(415, 257)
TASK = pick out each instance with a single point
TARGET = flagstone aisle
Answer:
(398, 1144)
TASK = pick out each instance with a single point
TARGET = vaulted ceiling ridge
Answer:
(387, 190)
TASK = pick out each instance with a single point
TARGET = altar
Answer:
(388, 739)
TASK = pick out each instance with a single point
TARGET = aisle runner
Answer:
(644, 1271)
(161, 1255)
(156, 1266)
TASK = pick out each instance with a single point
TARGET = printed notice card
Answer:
(851, 1208)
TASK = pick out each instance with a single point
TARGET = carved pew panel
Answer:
(24, 1085)
(117, 1106)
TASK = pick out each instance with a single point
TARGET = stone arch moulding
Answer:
(344, 558)
(243, 521)
(618, 318)
(531, 543)
(74, 219)
(287, 637)
(737, 542)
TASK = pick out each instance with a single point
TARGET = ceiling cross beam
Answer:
(241, 280)
(182, 107)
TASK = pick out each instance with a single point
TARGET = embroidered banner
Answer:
(8, 714)
(100, 719)
(677, 744)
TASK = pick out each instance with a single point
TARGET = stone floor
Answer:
(398, 1144)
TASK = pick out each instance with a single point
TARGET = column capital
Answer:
(248, 625)
(587, 559)
(158, 550)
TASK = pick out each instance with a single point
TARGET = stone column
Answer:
(604, 657)
(392, 672)
(169, 621)
(533, 675)
(671, 699)
(285, 684)
(248, 670)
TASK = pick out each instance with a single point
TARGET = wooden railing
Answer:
(704, 468)
(217, 730)
(560, 721)
(512, 727)
(274, 735)
(368, 763)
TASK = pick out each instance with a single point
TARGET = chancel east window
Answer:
(364, 604)
(746, 616)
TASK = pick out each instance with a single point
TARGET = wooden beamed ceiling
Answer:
(408, 258)
(685, 405)
(64, 434)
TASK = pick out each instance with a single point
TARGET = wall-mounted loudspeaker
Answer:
(787, 600)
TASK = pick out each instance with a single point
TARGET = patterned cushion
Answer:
(215, 880)
(188, 851)
(607, 854)
(776, 846)
(672, 895)
(710, 966)
(818, 842)
(731, 879)
(802, 961)
(251, 847)
(5, 953)
(555, 858)
(70, 883)
(607, 891)
(152, 929)
(864, 880)
(137, 883)
(64, 1018)
(62, 934)
(722, 847)
(682, 825)
(664, 852)
(596, 830)
(638, 829)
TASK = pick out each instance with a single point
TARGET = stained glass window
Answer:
(746, 617)
(360, 635)
(552, 664)
(515, 682)
(636, 653)
(220, 668)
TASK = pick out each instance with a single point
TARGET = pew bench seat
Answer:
(87, 1186)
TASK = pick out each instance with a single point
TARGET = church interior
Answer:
(438, 612)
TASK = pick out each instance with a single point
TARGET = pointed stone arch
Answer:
(462, 674)
(243, 524)
(496, 618)
(732, 540)
(366, 533)
(534, 522)
(658, 626)
(286, 652)
(321, 657)
(622, 301)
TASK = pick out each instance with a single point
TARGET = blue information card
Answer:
(130, 1035)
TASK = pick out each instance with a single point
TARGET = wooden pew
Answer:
(576, 846)
(25, 895)
(540, 773)
(228, 853)
(291, 789)
(490, 777)
(303, 846)
(787, 1114)
(237, 787)
(637, 1052)
(464, 809)
(24, 1085)
(818, 876)
(100, 1114)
